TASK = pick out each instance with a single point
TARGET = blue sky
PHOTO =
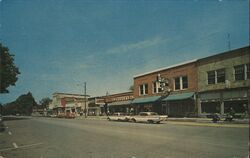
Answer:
(60, 44)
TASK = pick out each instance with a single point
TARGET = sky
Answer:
(60, 44)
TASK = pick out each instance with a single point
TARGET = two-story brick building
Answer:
(181, 101)
(224, 82)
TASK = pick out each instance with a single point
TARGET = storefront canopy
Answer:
(181, 96)
(145, 100)
(117, 103)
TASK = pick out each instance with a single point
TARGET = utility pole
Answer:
(85, 99)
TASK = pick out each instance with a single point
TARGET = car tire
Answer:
(133, 120)
(150, 121)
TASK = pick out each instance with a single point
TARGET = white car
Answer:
(150, 117)
(119, 116)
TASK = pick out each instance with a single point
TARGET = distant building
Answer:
(224, 82)
(119, 102)
(74, 103)
(96, 106)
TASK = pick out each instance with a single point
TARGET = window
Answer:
(177, 83)
(211, 77)
(184, 82)
(221, 76)
(216, 76)
(248, 71)
(181, 83)
(143, 89)
(239, 72)
(156, 87)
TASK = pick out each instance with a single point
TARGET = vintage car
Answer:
(118, 116)
(150, 117)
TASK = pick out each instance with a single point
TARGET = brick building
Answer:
(182, 79)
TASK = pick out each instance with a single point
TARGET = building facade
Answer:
(72, 103)
(182, 81)
(120, 102)
(96, 106)
(224, 82)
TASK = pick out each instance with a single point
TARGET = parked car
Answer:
(119, 116)
(70, 115)
(150, 117)
(2, 127)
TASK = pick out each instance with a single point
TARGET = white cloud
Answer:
(138, 45)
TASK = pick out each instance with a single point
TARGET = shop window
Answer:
(143, 89)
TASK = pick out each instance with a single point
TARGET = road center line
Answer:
(15, 145)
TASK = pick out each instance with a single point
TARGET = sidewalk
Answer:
(172, 119)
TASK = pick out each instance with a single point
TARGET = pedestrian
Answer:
(246, 115)
(232, 112)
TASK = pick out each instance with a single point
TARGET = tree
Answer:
(23, 105)
(45, 102)
(8, 70)
(131, 88)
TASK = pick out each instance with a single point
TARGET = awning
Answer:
(145, 100)
(180, 96)
(119, 103)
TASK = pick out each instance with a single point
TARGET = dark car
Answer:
(2, 127)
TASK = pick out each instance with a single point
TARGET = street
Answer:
(95, 138)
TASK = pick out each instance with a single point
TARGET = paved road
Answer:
(62, 138)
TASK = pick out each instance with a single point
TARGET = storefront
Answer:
(120, 106)
(179, 105)
(152, 103)
(222, 101)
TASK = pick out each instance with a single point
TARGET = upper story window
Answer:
(248, 71)
(221, 77)
(156, 87)
(181, 83)
(211, 77)
(216, 76)
(241, 72)
(143, 89)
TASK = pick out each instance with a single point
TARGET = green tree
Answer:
(23, 105)
(8, 70)
(131, 88)
(44, 103)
